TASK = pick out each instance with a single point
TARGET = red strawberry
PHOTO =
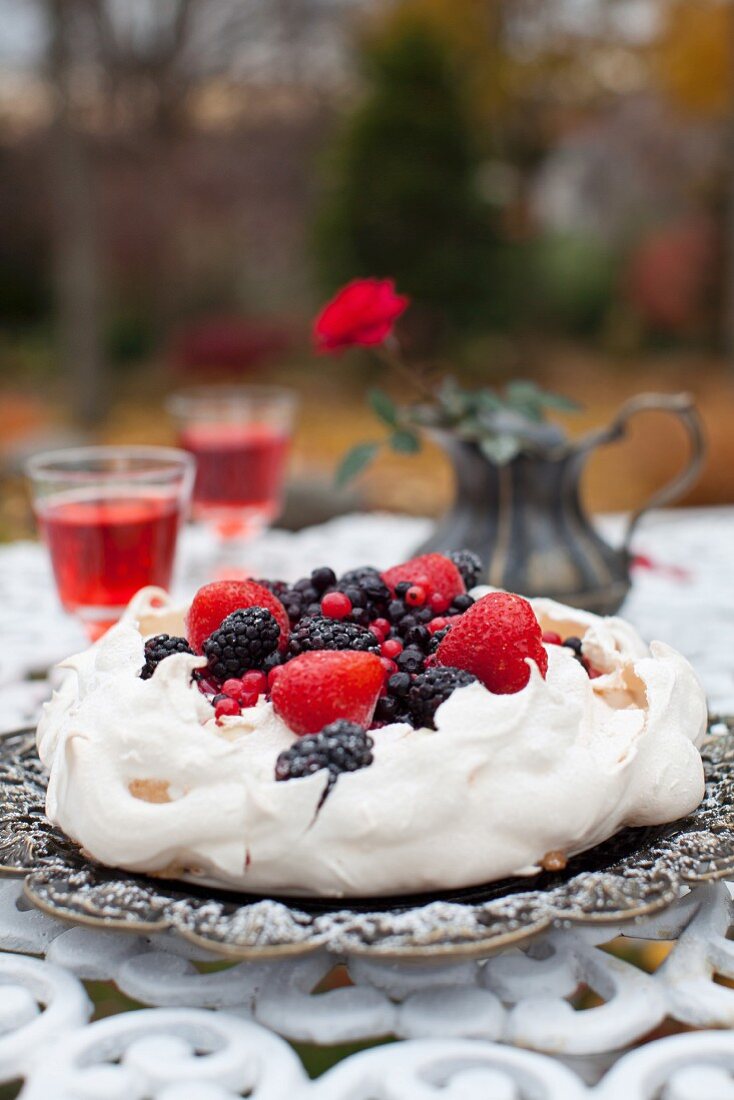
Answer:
(492, 640)
(321, 686)
(214, 602)
(433, 572)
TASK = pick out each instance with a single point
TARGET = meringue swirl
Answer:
(143, 778)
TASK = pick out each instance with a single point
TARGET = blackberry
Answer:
(245, 640)
(340, 747)
(460, 604)
(430, 689)
(271, 662)
(411, 659)
(469, 565)
(318, 632)
(160, 647)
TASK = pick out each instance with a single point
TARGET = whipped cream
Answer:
(143, 777)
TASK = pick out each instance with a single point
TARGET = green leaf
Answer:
(354, 462)
(384, 407)
(501, 449)
(405, 442)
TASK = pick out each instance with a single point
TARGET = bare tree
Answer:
(78, 268)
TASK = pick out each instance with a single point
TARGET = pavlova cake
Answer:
(372, 734)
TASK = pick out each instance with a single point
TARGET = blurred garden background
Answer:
(184, 182)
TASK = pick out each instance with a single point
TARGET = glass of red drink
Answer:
(110, 518)
(240, 437)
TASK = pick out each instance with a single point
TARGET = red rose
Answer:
(363, 312)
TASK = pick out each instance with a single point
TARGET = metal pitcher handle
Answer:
(682, 406)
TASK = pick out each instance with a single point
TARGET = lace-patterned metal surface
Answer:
(636, 873)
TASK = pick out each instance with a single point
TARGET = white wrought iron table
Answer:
(501, 1028)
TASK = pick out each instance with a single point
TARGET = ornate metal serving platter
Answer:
(637, 872)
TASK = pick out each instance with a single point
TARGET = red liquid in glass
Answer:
(104, 549)
(240, 471)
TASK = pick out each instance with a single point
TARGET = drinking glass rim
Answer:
(59, 465)
(243, 394)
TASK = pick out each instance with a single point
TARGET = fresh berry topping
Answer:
(415, 596)
(225, 707)
(460, 604)
(368, 580)
(493, 639)
(160, 647)
(388, 709)
(318, 688)
(323, 578)
(439, 623)
(242, 642)
(391, 648)
(419, 636)
(438, 603)
(255, 681)
(469, 565)
(411, 659)
(433, 572)
(320, 633)
(573, 643)
(437, 637)
(336, 605)
(551, 638)
(233, 688)
(339, 747)
(214, 602)
(204, 684)
(380, 626)
(399, 684)
(273, 675)
(430, 689)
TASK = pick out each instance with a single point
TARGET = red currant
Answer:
(437, 624)
(232, 688)
(389, 666)
(438, 603)
(335, 605)
(226, 707)
(382, 626)
(249, 699)
(551, 638)
(415, 596)
(254, 682)
(391, 648)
